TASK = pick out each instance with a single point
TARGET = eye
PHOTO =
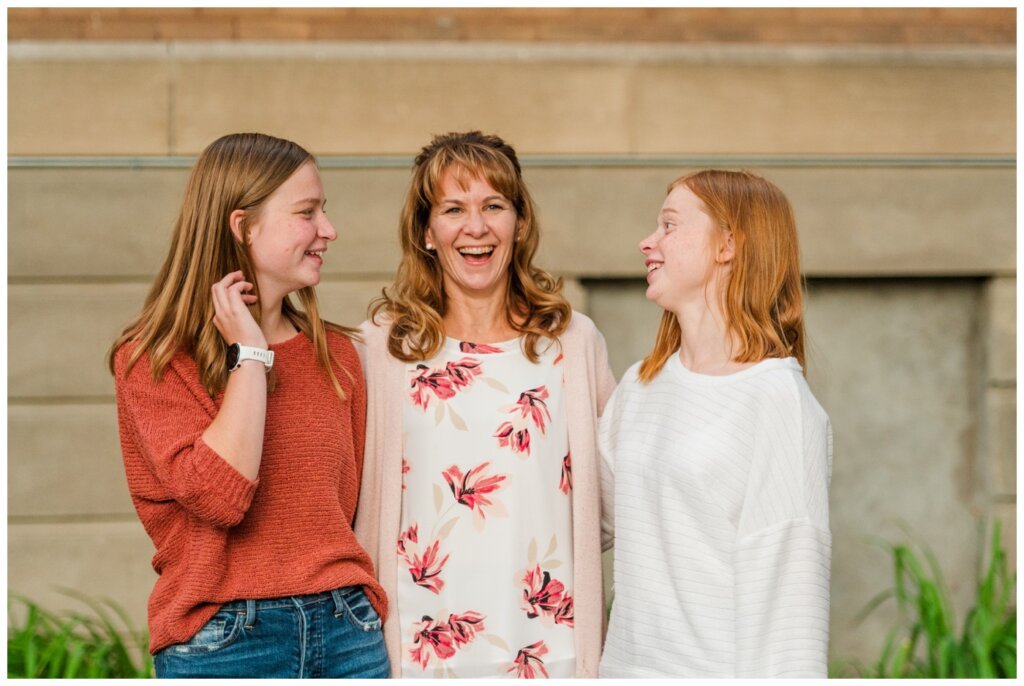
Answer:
(307, 213)
(495, 207)
(453, 210)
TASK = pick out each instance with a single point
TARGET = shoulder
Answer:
(182, 364)
(631, 377)
(121, 357)
(782, 391)
(373, 332)
(581, 333)
(581, 325)
(340, 343)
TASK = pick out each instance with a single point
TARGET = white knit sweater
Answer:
(722, 543)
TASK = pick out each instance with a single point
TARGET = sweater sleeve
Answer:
(164, 422)
(606, 460)
(357, 407)
(605, 387)
(783, 550)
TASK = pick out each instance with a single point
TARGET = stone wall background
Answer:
(892, 131)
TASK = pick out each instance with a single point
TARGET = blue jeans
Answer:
(336, 634)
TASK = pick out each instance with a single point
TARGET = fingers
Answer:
(232, 318)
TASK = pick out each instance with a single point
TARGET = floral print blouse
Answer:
(485, 550)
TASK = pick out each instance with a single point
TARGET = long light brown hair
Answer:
(416, 301)
(763, 294)
(236, 172)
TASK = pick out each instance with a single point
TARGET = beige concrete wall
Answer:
(383, 99)
(900, 164)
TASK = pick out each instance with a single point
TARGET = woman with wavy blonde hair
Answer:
(721, 455)
(480, 501)
(242, 422)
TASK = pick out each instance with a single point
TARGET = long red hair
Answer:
(763, 295)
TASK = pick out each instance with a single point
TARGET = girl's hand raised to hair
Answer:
(231, 299)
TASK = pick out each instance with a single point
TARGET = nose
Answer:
(476, 225)
(647, 244)
(327, 230)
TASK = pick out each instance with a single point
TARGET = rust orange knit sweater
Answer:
(221, 537)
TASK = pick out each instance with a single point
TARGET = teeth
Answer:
(318, 253)
(477, 251)
(652, 267)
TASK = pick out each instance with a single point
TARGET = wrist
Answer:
(237, 354)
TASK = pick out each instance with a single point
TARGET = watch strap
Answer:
(246, 352)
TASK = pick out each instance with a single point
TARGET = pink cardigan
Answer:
(589, 383)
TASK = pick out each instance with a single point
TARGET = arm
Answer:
(357, 407)
(236, 433)
(163, 423)
(605, 388)
(606, 462)
(783, 553)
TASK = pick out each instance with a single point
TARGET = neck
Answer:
(480, 320)
(275, 326)
(706, 346)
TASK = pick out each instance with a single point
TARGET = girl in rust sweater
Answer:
(242, 421)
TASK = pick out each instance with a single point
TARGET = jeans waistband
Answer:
(251, 606)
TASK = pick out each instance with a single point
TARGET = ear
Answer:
(428, 237)
(726, 248)
(236, 220)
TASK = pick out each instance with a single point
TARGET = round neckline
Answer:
(675, 366)
(288, 342)
(454, 344)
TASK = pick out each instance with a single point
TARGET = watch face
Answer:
(233, 351)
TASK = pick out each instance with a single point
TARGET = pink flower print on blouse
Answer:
(429, 381)
(462, 372)
(478, 348)
(405, 470)
(471, 489)
(565, 483)
(517, 439)
(407, 536)
(528, 664)
(531, 404)
(530, 407)
(465, 627)
(426, 570)
(542, 595)
(564, 613)
(431, 635)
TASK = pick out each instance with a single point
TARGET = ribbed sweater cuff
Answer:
(231, 491)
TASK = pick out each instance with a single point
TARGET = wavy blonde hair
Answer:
(236, 172)
(763, 296)
(416, 302)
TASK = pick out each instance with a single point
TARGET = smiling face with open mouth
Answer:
(680, 254)
(472, 227)
(289, 235)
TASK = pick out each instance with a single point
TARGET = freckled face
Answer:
(290, 234)
(679, 254)
(472, 227)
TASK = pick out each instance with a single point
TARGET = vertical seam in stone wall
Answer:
(977, 399)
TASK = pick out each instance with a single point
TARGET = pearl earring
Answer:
(430, 246)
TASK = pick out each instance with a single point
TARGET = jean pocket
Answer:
(358, 609)
(221, 631)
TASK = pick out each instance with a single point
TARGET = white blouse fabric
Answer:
(722, 543)
(485, 550)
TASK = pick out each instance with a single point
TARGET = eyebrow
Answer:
(497, 196)
(309, 200)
